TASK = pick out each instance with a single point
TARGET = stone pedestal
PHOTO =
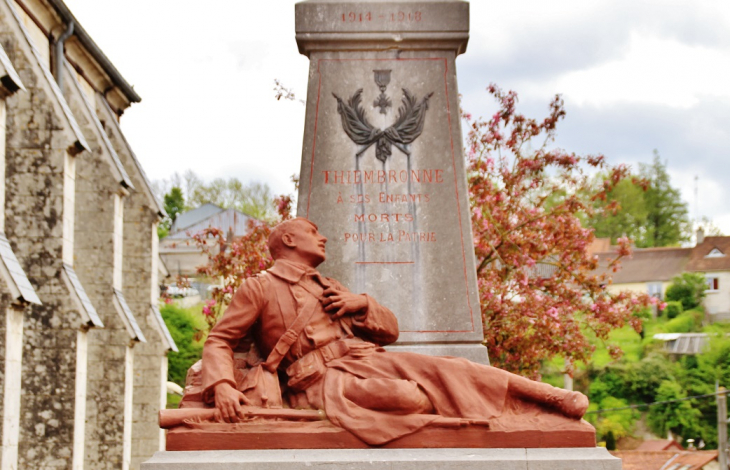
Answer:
(382, 168)
(596, 458)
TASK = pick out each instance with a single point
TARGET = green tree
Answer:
(610, 441)
(174, 204)
(626, 211)
(657, 377)
(687, 288)
(667, 222)
(254, 199)
(616, 424)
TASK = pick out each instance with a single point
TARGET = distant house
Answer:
(178, 251)
(648, 270)
(192, 217)
(651, 270)
(654, 445)
(712, 257)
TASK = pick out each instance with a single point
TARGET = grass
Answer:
(173, 401)
(630, 342)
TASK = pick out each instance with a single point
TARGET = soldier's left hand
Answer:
(340, 303)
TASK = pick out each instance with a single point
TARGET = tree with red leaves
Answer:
(542, 293)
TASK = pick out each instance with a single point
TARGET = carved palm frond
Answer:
(354, 122)
(411, 117)
(407, 127)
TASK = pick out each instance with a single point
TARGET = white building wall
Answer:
(11, 388)
(717, 303)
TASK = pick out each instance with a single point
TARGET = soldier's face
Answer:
(309, 243)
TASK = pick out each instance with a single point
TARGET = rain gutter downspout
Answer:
(60, 56)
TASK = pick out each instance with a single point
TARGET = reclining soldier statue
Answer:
(323, 350)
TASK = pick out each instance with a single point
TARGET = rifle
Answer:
(172, 418)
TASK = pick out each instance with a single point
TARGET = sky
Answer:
(635, 76)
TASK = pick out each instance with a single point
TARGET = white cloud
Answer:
(654, 70)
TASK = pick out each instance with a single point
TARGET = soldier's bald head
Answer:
(276, 244)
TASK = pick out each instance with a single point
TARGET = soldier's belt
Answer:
(312, 366)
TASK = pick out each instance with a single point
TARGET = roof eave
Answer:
(96, 52)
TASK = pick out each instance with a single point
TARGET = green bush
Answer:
(698, 314)
(620, 423)
(609, 383)
(687, 288)
(642, 379)
(684, 323)
(716, 360)
(673, 309)
(658, 377)
(183, 325)
(682, 418)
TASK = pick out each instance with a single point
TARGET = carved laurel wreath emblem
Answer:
(406, 128)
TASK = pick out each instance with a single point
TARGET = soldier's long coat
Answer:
(267, 305)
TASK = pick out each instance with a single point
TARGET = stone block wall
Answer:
(89, 396)
(147, 438)
(150, 361)
(106, 398)
(37, 141)
(94, 263)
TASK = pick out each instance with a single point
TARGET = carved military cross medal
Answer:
(406, 128)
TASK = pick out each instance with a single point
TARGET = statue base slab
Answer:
(401, 459)
(564, 433)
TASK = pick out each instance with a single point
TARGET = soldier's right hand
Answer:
(228, 401)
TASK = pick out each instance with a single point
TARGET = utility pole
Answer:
(722, 446)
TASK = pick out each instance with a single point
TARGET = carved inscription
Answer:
(392, 17)
(385, 202)
(370, 182)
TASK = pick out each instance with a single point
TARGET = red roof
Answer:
(648, 264)
(699, 261)
(662, 264)
(665, 459)
(659, 444)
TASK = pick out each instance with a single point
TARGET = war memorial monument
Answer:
(360, 347)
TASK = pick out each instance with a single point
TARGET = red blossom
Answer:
(541, 295)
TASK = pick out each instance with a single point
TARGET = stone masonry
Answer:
(100, 183)
(141, 214)
(81, 219)
(38, 137)
(15, 294)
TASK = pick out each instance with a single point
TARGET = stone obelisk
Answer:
(382, 164)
